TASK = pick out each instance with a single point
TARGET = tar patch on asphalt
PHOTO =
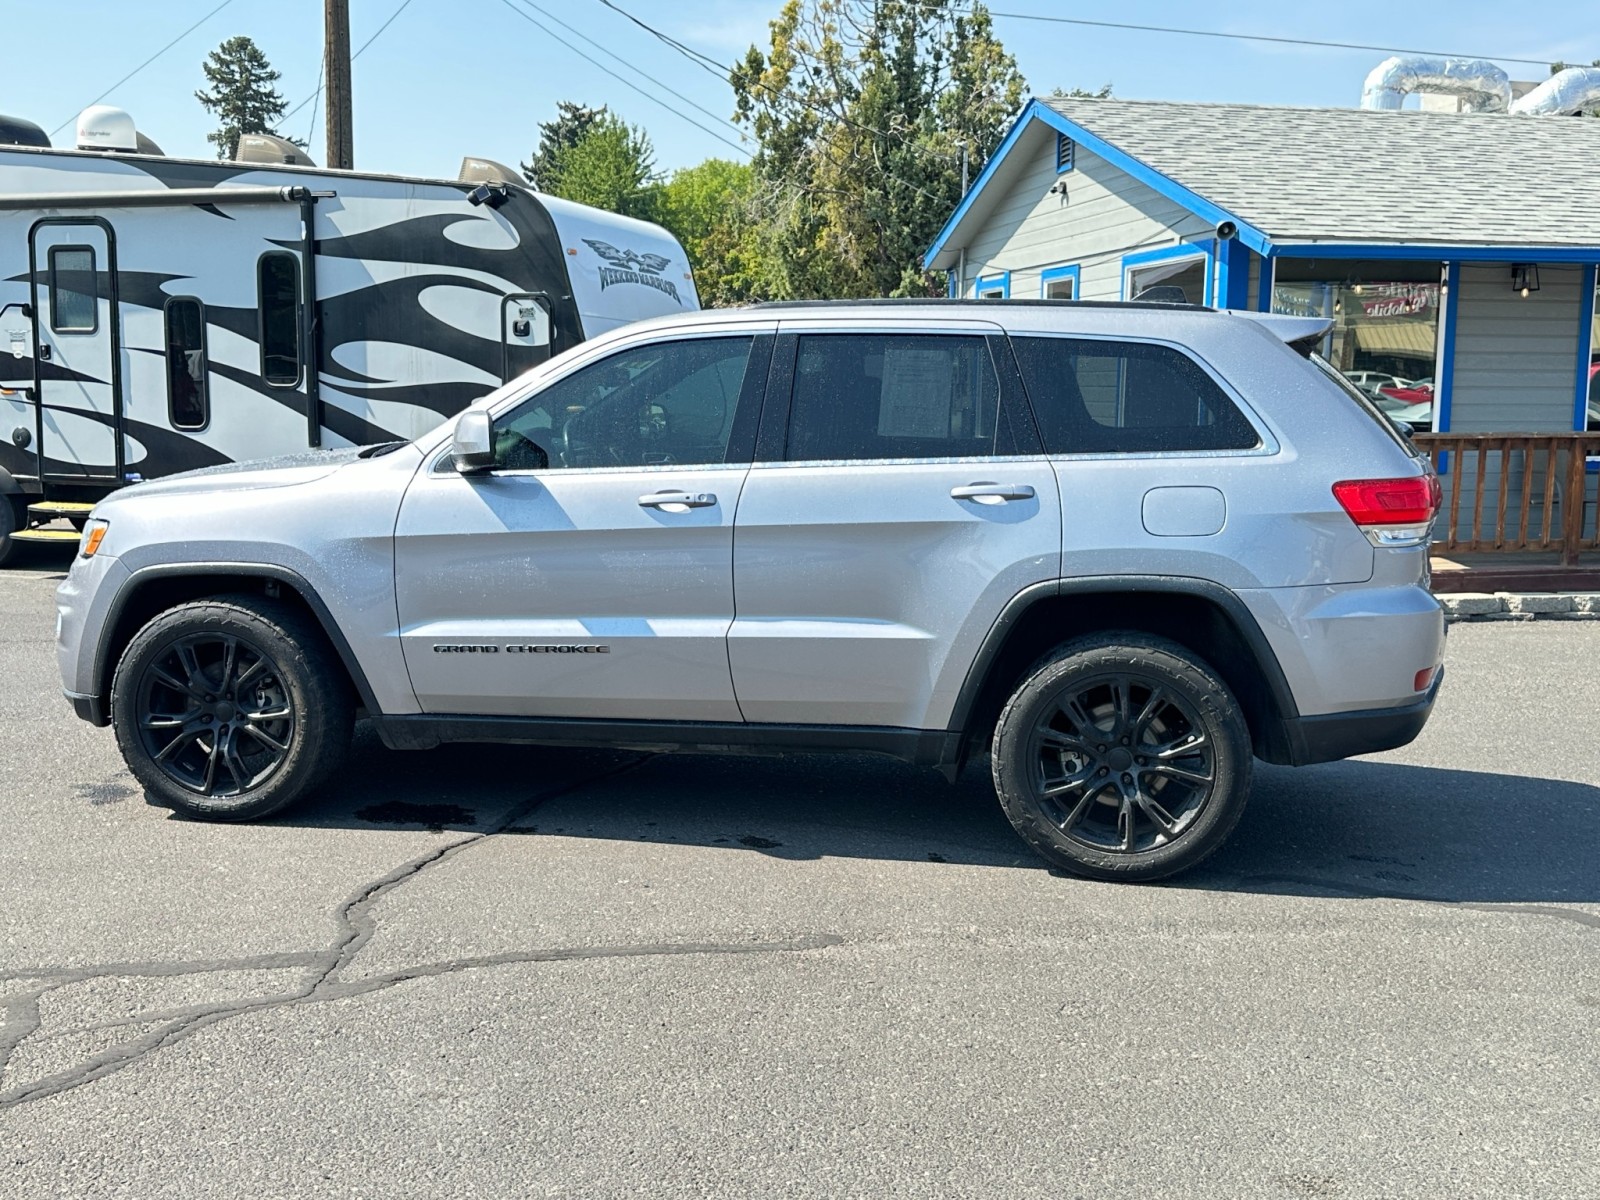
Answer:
(403, 812)
(758, 843)
(98, 794)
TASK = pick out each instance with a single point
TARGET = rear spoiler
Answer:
(1300, 334)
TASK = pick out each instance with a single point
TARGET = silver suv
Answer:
(1122, 548)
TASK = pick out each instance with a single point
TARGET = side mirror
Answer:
(472, 444)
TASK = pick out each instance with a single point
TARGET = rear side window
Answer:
(73, 290)
(187, 404)
(1104, 397)
(864, 396)
(279, 278)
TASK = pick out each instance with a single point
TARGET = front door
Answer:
(75, 323)
(912, 503)
(590, 573)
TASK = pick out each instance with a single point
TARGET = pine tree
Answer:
(241, 95)
(555, 138)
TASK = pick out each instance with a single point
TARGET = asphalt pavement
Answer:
(493, 971)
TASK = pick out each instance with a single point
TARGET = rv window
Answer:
(280, 319)
(73, 307)
(187, 403)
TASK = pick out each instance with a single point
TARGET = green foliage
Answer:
(241, 95)
(556, 137)
(610, 166)
(861, 109)
(710, 209)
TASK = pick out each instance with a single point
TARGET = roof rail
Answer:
(935, 301)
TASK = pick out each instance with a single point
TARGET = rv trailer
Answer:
(159, 314)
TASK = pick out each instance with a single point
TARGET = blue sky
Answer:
(455, 77)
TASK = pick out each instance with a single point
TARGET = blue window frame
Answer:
(993, 287)
(1588, 392)
(1066, 153)
(1199, 252)
(1061, 283)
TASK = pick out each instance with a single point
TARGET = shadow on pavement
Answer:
(1365, 828)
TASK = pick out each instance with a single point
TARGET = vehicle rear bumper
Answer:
(1331, 736)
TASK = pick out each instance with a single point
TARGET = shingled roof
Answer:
(1353, 175)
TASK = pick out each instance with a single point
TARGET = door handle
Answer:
(992, 493)
(678, 500)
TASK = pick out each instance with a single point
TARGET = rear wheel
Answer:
(1122, 757)
(13, 516)
(230, 709)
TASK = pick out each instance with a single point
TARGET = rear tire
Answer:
(1122, 756)
(231, 709)
(13, 516)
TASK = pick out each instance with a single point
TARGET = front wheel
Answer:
(1122, 757)
(230, 709)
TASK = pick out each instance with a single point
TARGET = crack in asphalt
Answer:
(356, 927)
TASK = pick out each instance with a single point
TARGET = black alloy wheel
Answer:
(214, 714)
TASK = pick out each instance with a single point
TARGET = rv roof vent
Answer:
(14, 131)
(101, 127)
(486, 170)
(269, 148)
(146, 146)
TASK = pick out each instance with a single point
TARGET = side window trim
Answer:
(203, 384)
(261, 319)
(1268, 441)
(55, 291)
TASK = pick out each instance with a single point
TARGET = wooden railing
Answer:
(1516, 492)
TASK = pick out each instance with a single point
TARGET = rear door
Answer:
(590, 574)
(76, 347)
(906, 499)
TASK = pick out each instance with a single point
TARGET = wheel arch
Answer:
(152, 590)
(1203, 616)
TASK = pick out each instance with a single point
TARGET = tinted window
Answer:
(893, 396)
(1128, 397)
(672, 402)
(73, 290)
(187, 406)
(279, 276)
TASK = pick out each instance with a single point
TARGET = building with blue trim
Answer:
(1456, 252)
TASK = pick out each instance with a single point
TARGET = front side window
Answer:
(1104, 397)
(279, 279)
(666, 403)
(869, 396)
(74, 291)
(187, 402)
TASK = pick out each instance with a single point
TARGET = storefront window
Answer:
(1385, 334)
(1593, 423)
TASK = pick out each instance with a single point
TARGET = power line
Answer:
(322, 66)
(144, 64)
(404, 4)
(1254, 37)
(642, 74)
(625, 83)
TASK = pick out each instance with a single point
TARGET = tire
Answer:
(183, 722)
(1094, 804)
(13, 516)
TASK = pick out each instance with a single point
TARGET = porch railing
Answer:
(1516, 492)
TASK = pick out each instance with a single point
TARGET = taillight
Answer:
(1391, 512)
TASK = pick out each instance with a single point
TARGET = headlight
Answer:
(94, 532)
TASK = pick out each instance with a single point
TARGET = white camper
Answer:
(161, 314)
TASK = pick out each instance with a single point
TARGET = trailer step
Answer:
(55, 536)
(50, 510)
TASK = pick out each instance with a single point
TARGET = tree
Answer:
(611, 166)
(241, 95)
(709, 209)
(555, 137)
(861, 109)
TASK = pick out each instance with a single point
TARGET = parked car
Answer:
(1122, 548)
(1371, 381)
(1417, 392)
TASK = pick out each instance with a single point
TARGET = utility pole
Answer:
(336, 51)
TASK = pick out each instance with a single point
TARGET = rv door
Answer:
(75, 329)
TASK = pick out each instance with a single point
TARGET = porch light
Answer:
(1525, 278)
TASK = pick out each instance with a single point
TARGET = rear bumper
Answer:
(1341, 735)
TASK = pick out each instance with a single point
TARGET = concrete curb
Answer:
(1521, 606)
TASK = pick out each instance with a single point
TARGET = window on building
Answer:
(667, 402)
(993, 287)
(867, 396)
(1176, 281)
(1059, 283)
(1100, 397)
(279, 281)
(188, 406)
(1066, 152)
(1592, 424)
(74, 290)
(1385, 331)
